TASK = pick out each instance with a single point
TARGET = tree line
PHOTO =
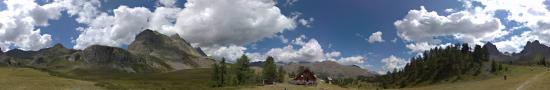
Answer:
(240, 73)
(450, 63)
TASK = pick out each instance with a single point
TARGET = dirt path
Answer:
(520, 87)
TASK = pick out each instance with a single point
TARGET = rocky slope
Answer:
(173, 50)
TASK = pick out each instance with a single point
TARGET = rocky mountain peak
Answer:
(173, 49)
(58, 45)
(147, 35)
(534, 46)
(492, 49)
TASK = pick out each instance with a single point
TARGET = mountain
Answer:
(330, 69)
(494, 54)
(532, 52)
(173, 50)
(150, 52)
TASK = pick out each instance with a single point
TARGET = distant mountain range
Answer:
(150, 52)
(324, 68)
(531, 53)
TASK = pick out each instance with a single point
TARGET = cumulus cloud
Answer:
(163, 20)
(309, 51)
(423, 46)
(392, 62)
(167, 3)
(299, 50)
(230, 53)
(376, 37)
(18, 21)
(208, 24)
(353, 60)
(467, 26)
(532, 14)
(227, 22)
(114, 30)
(516, 43)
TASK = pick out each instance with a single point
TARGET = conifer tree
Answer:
(269, 69)
(242, 70)
(223, 72)
(215, 82)
(281, 75)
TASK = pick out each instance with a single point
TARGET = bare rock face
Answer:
(173, 50)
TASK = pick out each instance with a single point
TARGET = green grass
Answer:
(287, 86)
(516, 76)
(30, 79)
(192, 79)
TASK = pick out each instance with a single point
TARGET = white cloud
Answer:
(532, 14)
(167, 3)
(163, 20)
(230, 53)
(376, 37)
(86, 10)
(392, 62)
(423, 46)
(114, 30)
(307, 51)
(515, 43)
(467, 26)
(306, 22)
(231, 22)
(18, 21)
(353, 60)
(222, 23)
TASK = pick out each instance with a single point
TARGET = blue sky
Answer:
(292, 30)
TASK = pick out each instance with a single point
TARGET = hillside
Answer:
(30, 79)
(518, 78)
(173, 50)
(446, 64)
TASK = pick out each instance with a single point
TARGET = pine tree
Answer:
(215, 82)
(465, 48)
(281, 76)
(223, 72)
(493, 66)
(269, 69)
(544, 61)
(242, 70)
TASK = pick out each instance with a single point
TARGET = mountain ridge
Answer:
(137, 59)
(531, 51)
